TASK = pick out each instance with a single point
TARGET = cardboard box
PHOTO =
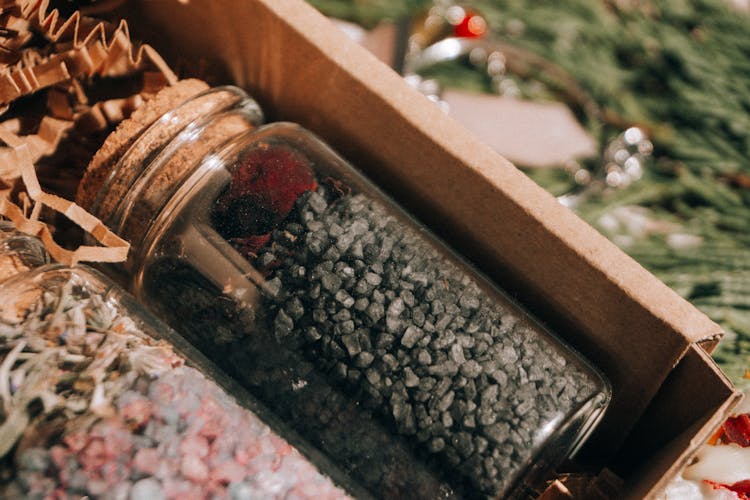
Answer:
(652, 344)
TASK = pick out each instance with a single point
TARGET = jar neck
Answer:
(165, 153)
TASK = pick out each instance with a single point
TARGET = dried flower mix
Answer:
(93, 405)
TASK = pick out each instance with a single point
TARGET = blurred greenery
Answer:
(679, 69)
(368, 13)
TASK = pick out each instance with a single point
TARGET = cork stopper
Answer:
(142, 162)
(119, 141)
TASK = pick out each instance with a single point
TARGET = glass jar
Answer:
(19, 252)
(100, 402)
(355, 325)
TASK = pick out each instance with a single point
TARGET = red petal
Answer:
(741, 488)
(277, 176)
(262, 192)
(737, 430)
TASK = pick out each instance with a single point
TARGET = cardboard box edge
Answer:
(691, 438)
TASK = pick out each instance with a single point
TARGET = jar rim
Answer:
(238, 99)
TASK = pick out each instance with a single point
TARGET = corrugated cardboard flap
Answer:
(694, 401)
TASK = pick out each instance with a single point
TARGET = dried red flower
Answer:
(263, 191)
(737, 430)
(740, 488)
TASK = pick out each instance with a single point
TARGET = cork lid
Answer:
(119, 141)
(140, 163)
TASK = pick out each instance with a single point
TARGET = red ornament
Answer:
(472, 25)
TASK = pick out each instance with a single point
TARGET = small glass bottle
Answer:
(353, 323)
(19, 252)
(104, 400)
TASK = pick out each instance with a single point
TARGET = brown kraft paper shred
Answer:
(115, 249)
(92, 52)
(78, 47)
